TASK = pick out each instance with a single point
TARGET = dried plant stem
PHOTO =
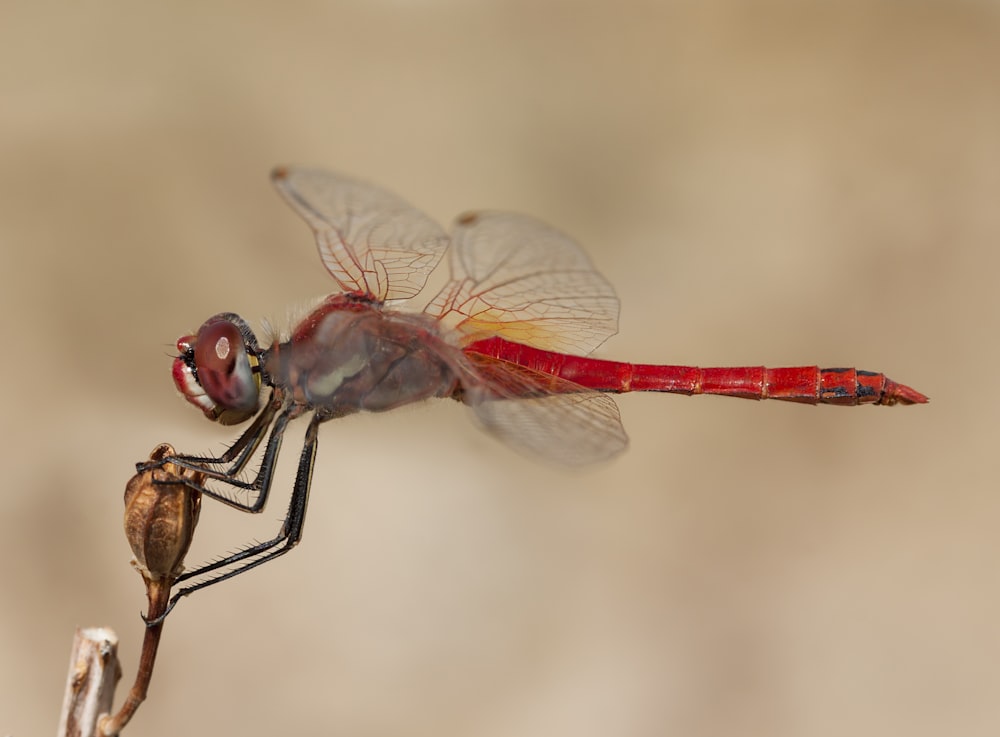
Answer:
(159, 595)
(161, 511)
(90, 687)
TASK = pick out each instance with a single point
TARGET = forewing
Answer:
(516, 277)
(371, 241)
(545, 416)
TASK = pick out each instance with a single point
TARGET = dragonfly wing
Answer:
(544, 416)
(371, 241)
(516, 277)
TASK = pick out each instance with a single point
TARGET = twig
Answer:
(159, 595)
(162, 503)
(90, 687)
(161, 513)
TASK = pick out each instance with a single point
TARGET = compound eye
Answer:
(223, 361)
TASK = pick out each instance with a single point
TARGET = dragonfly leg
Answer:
(243, 449)
(261, 484)
(240, 451)
(286, 539)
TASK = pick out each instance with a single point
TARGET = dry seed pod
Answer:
(161, 512)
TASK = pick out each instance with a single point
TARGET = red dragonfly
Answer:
(508, 335)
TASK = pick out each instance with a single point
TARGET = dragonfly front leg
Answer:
(286, 539)
(261, 484)
(243, 449)
(239, 454)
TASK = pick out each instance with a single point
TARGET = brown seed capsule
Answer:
(161, 512)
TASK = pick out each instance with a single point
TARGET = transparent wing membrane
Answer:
(544, 416)
(371, 241)
(516, 277)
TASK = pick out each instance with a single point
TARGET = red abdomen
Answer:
(807, 384)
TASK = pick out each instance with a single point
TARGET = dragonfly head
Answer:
(218, 370)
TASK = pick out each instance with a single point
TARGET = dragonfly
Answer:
(509, 335)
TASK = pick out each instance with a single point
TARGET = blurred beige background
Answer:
(774, 182)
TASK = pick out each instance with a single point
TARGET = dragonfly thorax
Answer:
(350, 355)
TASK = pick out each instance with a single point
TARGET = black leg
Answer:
(287, 538)
(243, 449)
(261, 484)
